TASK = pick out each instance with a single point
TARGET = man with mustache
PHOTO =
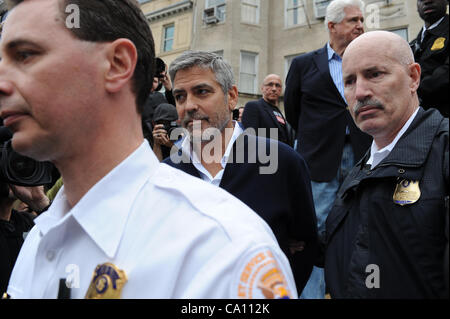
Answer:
(387, 234)
(268, 176)
(431, 51)
(123, 225)
(316, 108)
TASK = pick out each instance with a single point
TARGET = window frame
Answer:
(165, 39)
(255, 80)
(301, 6)
(256, 6)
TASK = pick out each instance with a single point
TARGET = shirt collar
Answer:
(434, 25)
(186, 148)
(376, 155)
(103, 211)
(332, 54)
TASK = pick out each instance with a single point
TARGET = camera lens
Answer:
(23, 167)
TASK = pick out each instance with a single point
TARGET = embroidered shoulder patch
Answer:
(261, 277)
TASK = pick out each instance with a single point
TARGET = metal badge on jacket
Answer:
(406, 192)
(438, 44)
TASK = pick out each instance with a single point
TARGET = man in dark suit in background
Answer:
(431, 52)
(315, 106)
(277, 186)
(265, 113)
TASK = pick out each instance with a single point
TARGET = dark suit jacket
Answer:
(283, 199)
(433, 57)
(259, 114)
(319, 114)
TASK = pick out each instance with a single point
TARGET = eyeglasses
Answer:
(271, 84)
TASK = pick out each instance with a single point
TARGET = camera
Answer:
(166, 114)
(160, 67)
(169, 126)
(20, 170)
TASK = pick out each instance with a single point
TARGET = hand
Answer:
(33, 196)
(160, 136)
(166, 82)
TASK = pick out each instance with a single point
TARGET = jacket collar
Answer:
(441, 28)
(322, 62)
(413, 147)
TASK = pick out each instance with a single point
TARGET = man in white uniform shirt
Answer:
(123, 225)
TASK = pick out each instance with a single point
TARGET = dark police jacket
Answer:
(397, 251)
(283, 199)
(316, 110)
(433, 57)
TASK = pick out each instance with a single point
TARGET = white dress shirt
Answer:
(204, 174)
(173, 235)
(376, 155)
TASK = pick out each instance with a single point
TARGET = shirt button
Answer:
(50, 255)
(401, 171)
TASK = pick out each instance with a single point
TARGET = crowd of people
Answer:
(345, 194)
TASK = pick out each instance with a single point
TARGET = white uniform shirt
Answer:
(173, 235)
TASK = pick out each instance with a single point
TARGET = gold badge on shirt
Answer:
(107, 282)
(406, 192)
(438, 44)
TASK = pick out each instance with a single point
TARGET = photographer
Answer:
(164, 121)
(16, 223)
(155, 98)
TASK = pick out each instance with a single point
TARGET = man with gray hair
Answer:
(123, 225)
(267, 175)
(387, 234)
(316, 108)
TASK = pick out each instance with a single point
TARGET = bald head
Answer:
(271, 76)
(386, 43)
(380, 83)
(271, 88)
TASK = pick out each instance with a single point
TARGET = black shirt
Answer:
(11, 239)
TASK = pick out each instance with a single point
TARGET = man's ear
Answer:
(414, 74)
(122, 58)
(330, 26)
(232, 97)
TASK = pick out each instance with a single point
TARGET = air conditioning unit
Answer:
(320, 8)
(210, 15)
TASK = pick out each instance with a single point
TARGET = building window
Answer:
(215, 8)
(250, 11)
(169, 31)
(294, 13)
(403, 32)
(287, 63)
(248, 74)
